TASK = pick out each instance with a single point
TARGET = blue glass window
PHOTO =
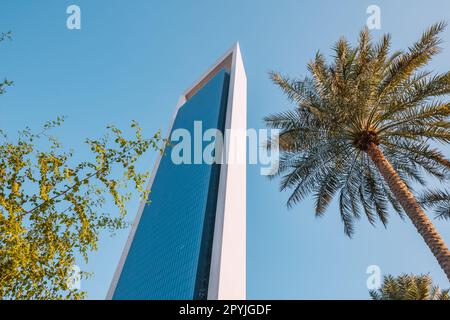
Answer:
(170, 255)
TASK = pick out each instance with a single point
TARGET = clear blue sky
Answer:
(132, 59)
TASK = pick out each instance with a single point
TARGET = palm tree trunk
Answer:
(412, 208)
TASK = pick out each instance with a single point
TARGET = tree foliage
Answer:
(51, 206)
(367, 94)
(409, 287)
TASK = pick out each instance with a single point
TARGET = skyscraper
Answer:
(190, 241)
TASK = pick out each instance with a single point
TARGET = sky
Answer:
(132, 60)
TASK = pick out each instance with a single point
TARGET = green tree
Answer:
(52, 207)
(409, 287)
(362, 132)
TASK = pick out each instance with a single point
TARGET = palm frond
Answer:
(409, 287)
(438, 200)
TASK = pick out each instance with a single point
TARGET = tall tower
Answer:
(190, 241)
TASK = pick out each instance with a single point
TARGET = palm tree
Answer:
(409, 287)
(361, 131)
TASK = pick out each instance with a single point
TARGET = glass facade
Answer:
(170, 255)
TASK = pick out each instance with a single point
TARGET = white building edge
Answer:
(228, 262)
